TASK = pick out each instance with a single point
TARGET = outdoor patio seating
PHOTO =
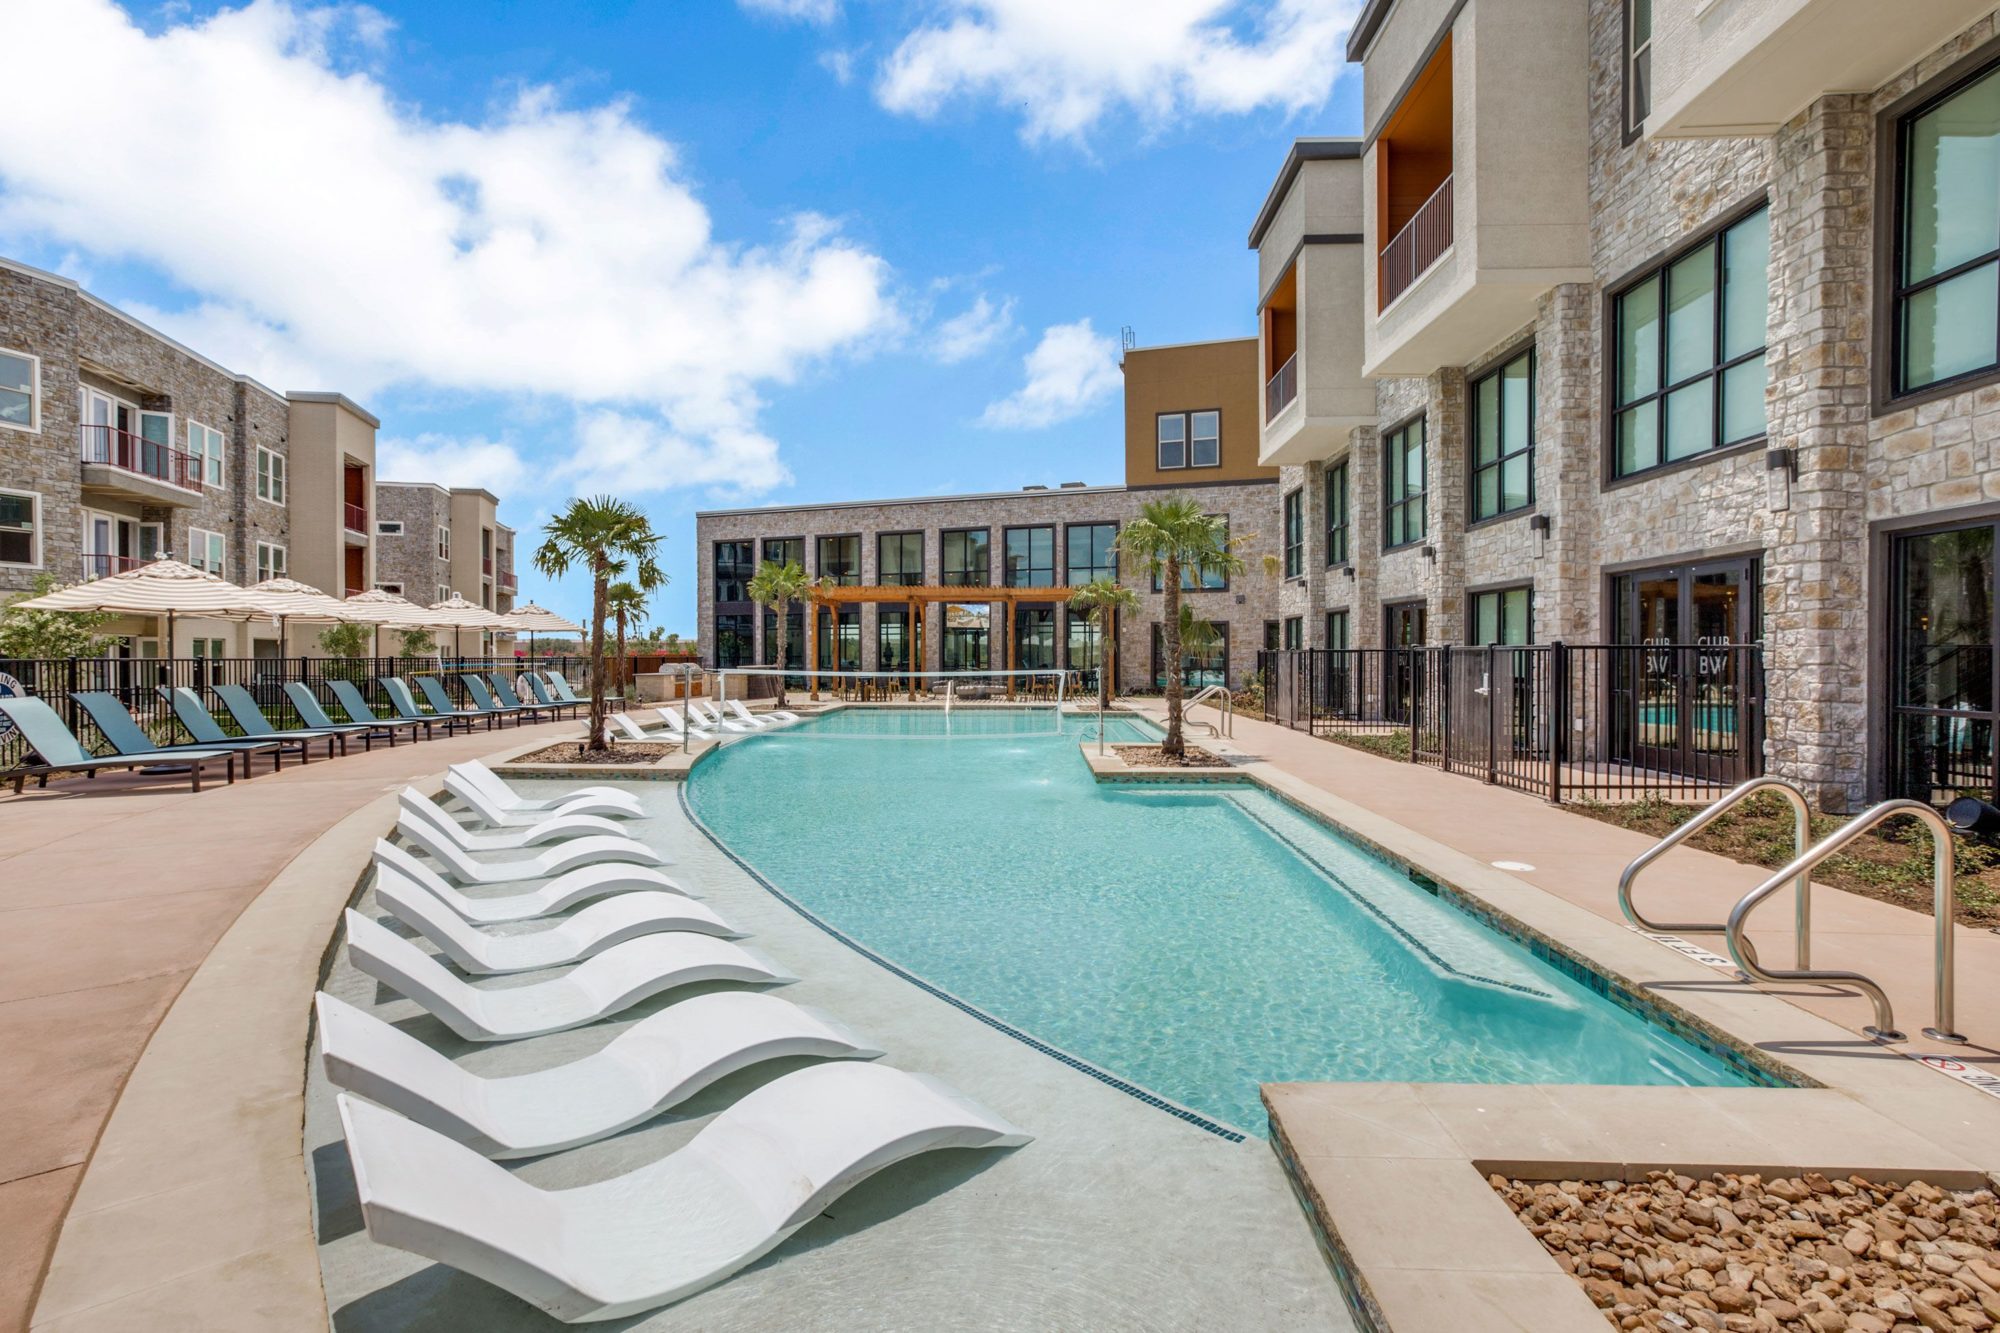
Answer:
(61, 752)
(558, 895)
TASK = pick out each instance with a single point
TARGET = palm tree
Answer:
(774, 587)
(1170, 536)
(626, 602)
(605, 535)
(1104, 600)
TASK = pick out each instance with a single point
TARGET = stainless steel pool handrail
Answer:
(1225, 709)
(1944, 884)
(1801, 833)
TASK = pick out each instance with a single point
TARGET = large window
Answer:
(899, 559)
(1198, 671)
(967, 562)
(1502, 615)
(1403, 493)
(839, 559)
(1202, 580)
(1086, 647)
(1295, 632)
(1638, 64)
(1947, 592)
(1189, 439)
(1503, 439)
(20, 390)
(733, 644)
(1031, 557)
(1337, 630)
(783, 551)
(1093, 552)
(892, 639)
(270, 476)
(1690, 371)
(206, 445)
(839, 644)
(206, 551)
(733, 570)
(1947, 317)
(1338, 534)
(20, 528)
(795, 637)
(965, 637)
(1295, 533)
(1034, 638)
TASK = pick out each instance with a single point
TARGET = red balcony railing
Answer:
(507, 581)
(1282, 388)
(356, 519)
(103, 566)
(111, 447)
(1425, 237)
(486, 564)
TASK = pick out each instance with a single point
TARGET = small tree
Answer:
(346, 641)
(419, 643)
(1170, 536)
(1104, 600)
(600, 534)
(47, 634)
(774, 587)
(626, 602)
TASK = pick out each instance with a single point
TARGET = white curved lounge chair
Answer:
(657, 1063)
(679, 728)
(713, 718)
(562, 857)
(477, 773)
(556, 828)
(495, 814)
(608, 921)
(558, 895)
(623, 727)
(776, 717)
(754, 1175)
(614, 980)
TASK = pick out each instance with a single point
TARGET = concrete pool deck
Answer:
(1117, 1216)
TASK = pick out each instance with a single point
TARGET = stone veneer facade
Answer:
(1250, 601)
(407, 562)
(1862, 467)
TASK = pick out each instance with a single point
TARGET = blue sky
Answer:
(701, 253)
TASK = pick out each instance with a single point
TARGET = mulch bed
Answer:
(1798, 1254)
(572, 752)
(1152, 756)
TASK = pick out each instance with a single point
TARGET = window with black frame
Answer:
(1034, 638)
(784, 551)
(1295, 532)
(892, 639)
(1295, 633)
(840, 641)
(1337, 523)
(1503, 439)
(1638, 64)
(967, 560)
(1198, 671)
(1336, 630)
(1093, 552)
(899, 559)
(1947, 297)
(1502, 616)
(1202, 580)
(733, 641)
(1945, 623)
(1030, 555)
(966, 637)
(1085, 648)
(1403, 493)
(839, 559)
(1689, 372)
(795, 638)
(733, 569)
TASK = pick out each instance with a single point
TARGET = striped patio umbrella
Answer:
(291, 600)
(458, 614)
(163, 588)
(532, 620)
(385, 610)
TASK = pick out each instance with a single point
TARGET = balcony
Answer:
(486, 565)
(507, 582)
(131, 467)
(355, 519)
(1309, 272)
(1745, 67)
(1421, 243)
(104, 566)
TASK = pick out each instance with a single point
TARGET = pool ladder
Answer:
(1225, 708)
(1798, 873)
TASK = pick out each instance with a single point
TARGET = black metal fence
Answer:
(1561, 721)
(136, 681)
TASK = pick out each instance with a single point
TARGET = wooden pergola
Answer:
(916, 600)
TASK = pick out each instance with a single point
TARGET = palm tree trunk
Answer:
(600, 582)
(1175, 744)
(624, 663)
(784, 622)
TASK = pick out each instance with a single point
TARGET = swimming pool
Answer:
(1196, 941)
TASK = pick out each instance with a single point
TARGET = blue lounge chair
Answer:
(509, 699)
(562, 689)
(484, 702)
(348, 695)
(540, 689)
(434, 694)
(199, 723)
(307, 706)
(61, 752)
(117, 725)
(242, 706)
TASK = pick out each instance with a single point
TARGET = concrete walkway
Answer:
(111, 894)
(1578, 859)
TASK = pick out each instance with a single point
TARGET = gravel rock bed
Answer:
(1747, 1255)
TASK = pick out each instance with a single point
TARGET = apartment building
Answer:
(1191, 427)
(437, 541)
(1661, 323)
(119, 445)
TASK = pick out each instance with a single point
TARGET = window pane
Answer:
(1173, 441)
(1486, 618)
(1638, 341)
(1743, 401)
(1691, 315)
(1638, 439)
(1746, 285)
(1945, 616)
(1489, 493)
(1486, 420)
(1517, 402)
(1642, 22)
(1206, 451)
(1413, 462)
(1951, 208)
(1514, 627)
(1950, 328)
(16, 373)
(1691, 420)
(1513, 483)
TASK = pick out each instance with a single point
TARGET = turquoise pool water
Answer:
(1197, 942)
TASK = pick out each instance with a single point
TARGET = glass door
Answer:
(1405, 626)
(1942, 691)
(1681, 701)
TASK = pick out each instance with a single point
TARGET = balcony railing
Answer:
(103, 566)
(111, 447)
(1425, 237)
(486, 565)
(356, 519)
(508, 583)
(1282, 388)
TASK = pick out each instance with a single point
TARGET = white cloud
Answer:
(804, 11)
(336, 237)
(1068, 63)
(977, 329)
(838, 63)
(484, 463)
(1072, 369)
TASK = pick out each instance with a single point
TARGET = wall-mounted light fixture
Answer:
(1781, 469)
(1539, 525)
(1431, 554)
(1348, 570)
